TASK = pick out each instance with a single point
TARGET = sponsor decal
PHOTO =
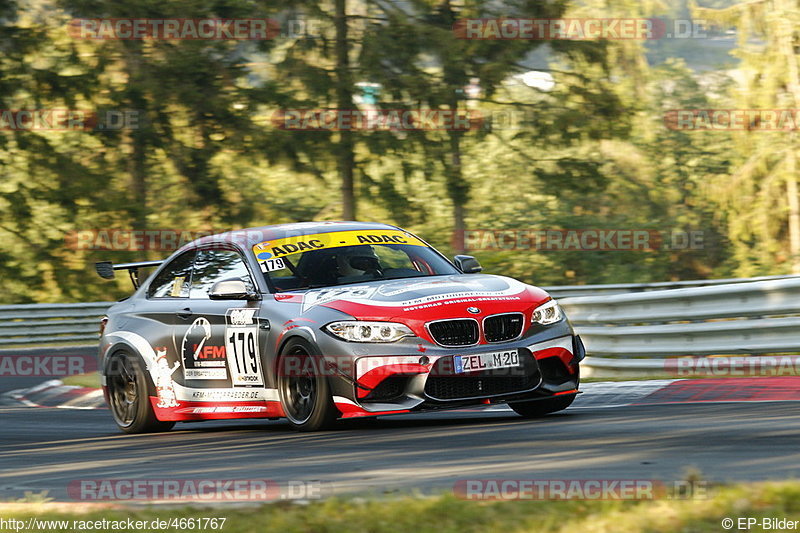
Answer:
(229, 394)
(351, 293)
(456, 298)
(241, 345)
(390, 290)
(294, 245)
(472, 292)
(226, 409)
(209, 352)
(162, 375)
(206, 373)
(202, 360)
(189, 394)
(271, 265)
(241, 317)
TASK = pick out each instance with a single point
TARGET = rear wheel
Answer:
(128, 396)
(539, 408)
(304, 391)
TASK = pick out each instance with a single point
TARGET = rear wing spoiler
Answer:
(105, 269)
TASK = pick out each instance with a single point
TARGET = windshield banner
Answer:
(277, 248)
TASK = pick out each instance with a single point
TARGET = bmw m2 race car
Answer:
(320, 321)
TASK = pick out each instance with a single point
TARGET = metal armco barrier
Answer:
(725, 317)
(42, 324)
(744, 318)
(568, 291)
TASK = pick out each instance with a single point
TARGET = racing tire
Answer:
(128, 396)
(540, 408)
(304, 391)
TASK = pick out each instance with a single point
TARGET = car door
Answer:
(166, 293)
(219, 339)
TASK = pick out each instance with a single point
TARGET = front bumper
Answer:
(423, 377)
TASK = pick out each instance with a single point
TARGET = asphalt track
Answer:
(44, 449)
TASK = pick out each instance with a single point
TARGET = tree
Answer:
(418, 55)
(762, 193)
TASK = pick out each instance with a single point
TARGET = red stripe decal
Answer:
(217, 410)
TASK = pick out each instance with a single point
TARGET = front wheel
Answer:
(539, 408)
(128, 397)
(304, 391)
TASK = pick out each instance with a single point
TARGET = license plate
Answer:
(486, 361)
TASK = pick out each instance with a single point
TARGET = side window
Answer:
(212, 266)
(174, 280)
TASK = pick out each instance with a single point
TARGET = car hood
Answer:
(429, 298)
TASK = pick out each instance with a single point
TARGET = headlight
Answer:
(362, 331)
(547, 313)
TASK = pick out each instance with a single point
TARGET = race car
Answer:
(320, 321)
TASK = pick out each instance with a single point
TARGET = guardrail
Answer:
(753, 318)
(707, 317)
(40, 324)
(568, 291)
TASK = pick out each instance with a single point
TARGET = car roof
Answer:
(248, 237)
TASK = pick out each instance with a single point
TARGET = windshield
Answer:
(345, 257)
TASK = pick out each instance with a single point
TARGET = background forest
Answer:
(573, 134)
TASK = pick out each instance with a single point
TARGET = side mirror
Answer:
(467, 264)
(233, 289)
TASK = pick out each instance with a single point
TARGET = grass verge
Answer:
(445, 513)
(90, 380)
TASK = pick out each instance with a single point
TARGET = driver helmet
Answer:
(346, 253)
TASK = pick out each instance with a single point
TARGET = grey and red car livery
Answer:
(319, 321)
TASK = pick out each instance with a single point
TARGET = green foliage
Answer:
(590, 152)
(759, 192)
